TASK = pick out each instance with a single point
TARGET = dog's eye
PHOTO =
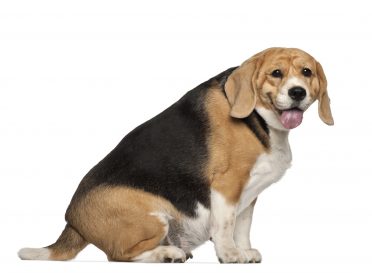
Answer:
(277, 73)
(307, 72)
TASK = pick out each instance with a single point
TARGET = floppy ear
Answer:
(240, 89)
(324, 107)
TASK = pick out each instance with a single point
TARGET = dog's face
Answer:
(280, 83)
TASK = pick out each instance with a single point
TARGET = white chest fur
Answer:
(268, 169)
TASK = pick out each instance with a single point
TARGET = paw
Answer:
(232, 255)
(253, 255)
(162, 254)
(172, 254)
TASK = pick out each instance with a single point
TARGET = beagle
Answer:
(193, 172)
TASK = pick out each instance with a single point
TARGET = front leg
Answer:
(223, 217)
(242, 234)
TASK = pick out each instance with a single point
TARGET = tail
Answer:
(68, 245)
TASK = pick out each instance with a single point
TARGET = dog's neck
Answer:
(278, 134)
(279, 139)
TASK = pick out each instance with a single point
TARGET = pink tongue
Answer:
(291, 118)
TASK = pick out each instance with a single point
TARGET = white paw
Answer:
(162, 254)
(253, 255)
(232, 255)
(173, 255)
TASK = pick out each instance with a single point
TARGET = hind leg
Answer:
(137, 238)
(151, 250)
(123, 222)
(132, 243)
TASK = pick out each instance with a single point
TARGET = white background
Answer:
(76, 76)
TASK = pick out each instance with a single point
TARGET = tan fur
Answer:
(324, 102)
(68, 245)
(119, 221)
(232, 146)
(241, 89)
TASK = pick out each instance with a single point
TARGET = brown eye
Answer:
(307, 72)
(277, 73)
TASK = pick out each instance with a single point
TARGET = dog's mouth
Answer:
(290, 118)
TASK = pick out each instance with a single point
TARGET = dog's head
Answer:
(280, 83)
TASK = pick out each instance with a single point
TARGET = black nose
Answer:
(297, 93)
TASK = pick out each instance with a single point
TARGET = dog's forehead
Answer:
(287, 56)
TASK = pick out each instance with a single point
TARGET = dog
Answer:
(193, 172)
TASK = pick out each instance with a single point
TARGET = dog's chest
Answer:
(268, 169)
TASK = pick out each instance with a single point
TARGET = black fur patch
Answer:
(259, 127)
(164, 156)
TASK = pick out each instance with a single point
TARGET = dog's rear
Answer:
(68, 245)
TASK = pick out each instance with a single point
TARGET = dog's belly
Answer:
(190, 232)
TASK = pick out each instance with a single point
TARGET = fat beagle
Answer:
(194, 171)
